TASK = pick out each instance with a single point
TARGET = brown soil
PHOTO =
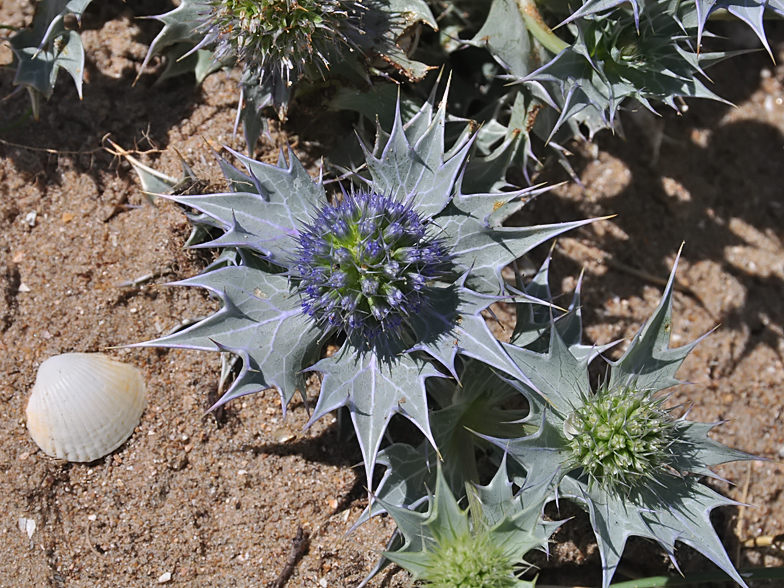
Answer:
(216, 500)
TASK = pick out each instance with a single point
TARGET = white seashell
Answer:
(84, 405)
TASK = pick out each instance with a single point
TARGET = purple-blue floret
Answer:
(365, 264)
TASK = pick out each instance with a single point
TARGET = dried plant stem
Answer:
(742, 514)
(299, 546)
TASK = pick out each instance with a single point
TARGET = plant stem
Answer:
(695, 578)
(538, 28)
(702, 578)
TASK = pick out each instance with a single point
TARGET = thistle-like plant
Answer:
(751, 13)
(277, 43)
(276, 38)
(482, 546)
(573, 80)
(53, 42)
(398, 268)
(651, 57)
(619, 450)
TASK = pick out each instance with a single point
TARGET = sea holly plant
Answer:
(618, 450)
(53, 42)
(752, 12)
(573, 67)
(482, 546)
(278, 43)
(398, 268)
(651, 57)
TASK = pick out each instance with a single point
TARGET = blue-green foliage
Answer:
(654, 493)
(482, 546)
(50, 44)
(617, 451)
(278, 43)
(573, 80)
(616, 55)
(269, 317)
(399, 268)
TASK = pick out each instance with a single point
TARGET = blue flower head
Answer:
(406, 262)
(365, 264)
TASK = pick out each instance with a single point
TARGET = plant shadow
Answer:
(715, 186)
(70, 132)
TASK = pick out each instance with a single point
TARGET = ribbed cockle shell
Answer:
(84, 405)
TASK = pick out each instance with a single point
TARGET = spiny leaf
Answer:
(47, 46)
(506, 37)
(418, 171)
(678, 512)
(649, 363)
(477, 247)
(375, 384)
(586, 441)
(266, 216)
(260, 320)
(178, 27)
(453, 324)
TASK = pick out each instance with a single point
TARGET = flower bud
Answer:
(367, 227)
(369, 285)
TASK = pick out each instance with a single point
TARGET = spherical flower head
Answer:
(365, 264)
(621, 438)
(470, 561)
(278, 37)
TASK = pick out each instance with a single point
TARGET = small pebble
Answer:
(282, 434)
(27, 526)
(165, 577)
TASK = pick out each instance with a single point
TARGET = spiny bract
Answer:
(620, 437)
(406, 263)
(480, 547)
(277, 43)
(617, 451)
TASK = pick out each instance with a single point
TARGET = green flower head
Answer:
(616, 450)
(621, 438)
(276, 37)
(482, 546)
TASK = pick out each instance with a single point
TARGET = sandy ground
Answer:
(217, 500)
